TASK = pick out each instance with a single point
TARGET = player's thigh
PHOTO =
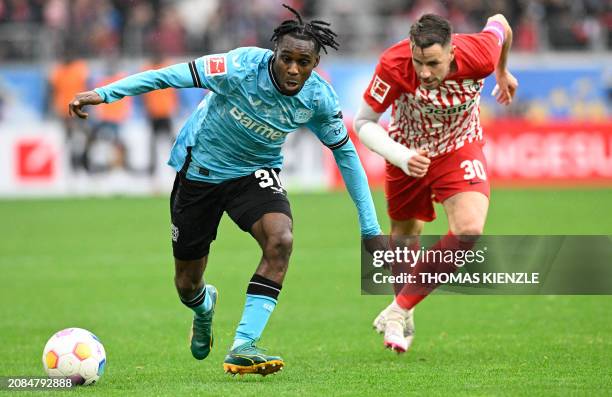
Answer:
(463, 170)
(467, 213)
(460, 183)
(195, 209)
(407, 198)
(256, 195)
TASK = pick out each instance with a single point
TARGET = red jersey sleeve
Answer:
(477, 54)
(383, 88)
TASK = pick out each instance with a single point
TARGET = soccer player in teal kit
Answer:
(228, 158)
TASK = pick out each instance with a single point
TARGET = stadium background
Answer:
(103, 262)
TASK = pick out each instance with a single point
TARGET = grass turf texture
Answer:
(105, 265)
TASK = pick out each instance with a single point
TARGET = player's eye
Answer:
(304, 62)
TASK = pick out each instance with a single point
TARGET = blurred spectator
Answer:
(1, 103)
(527, 36)
(55, 14)
(170, 33)
(21, 11)
(140, 23)
(105, 149)
(68, 78)
(105, 32)
(188, 27)
(159, 106)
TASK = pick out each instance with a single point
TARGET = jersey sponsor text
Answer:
(258, 128)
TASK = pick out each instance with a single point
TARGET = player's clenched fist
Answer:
(418, 164)
(82, 99)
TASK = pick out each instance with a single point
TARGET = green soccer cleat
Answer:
(249, 359)
(201, 330)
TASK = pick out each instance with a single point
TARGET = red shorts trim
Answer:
(462, 170)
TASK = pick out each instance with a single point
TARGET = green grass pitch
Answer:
(105, 265)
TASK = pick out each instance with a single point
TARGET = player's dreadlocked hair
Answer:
(316, 30)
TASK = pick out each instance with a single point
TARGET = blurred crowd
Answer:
(39, 29)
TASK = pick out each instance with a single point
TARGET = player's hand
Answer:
(506, 87)
(376, 243)
(418, 164)
(82, 99)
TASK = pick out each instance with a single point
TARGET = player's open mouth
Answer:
(292, 84)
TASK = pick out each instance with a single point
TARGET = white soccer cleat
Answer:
(394, 334)
(397, 325)
(380, 321)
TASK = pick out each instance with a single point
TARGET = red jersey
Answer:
(441, 119)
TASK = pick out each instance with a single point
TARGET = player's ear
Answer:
(318, 58)
(452, 53)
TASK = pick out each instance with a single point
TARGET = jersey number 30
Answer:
(473, 168)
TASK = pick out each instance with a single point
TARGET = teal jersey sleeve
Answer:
(328, 126)
(356, 182)
(221, 73)
(327, 123)
(176, 76)
(213, 72)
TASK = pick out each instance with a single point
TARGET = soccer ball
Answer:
(74, 353)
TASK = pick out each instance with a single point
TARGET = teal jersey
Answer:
(241, 124)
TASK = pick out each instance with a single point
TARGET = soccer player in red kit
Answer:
(433, 146)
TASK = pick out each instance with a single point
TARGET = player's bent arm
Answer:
(176, 76)
(356, 182)
(503, 57)
(374, 136)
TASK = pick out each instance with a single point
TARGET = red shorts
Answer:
(462, 170)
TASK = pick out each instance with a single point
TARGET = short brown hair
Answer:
(430, 29)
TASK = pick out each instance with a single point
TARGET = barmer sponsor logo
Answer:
(452, 110)
(258, 128)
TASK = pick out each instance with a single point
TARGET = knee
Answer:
(186, 280)
(185, 285)
(413, 227)
(279, 246)
(473, 228)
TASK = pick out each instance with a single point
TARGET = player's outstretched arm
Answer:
(181, 75)
(356, 183)
(374, 136)
(506, 82)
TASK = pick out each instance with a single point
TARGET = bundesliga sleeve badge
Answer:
(379, 89)
(215, 65)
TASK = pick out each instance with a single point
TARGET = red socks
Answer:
(412, 293)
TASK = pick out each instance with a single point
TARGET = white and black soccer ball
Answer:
(74, 353)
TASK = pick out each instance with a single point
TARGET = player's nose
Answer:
(292, 69)
(424, 74)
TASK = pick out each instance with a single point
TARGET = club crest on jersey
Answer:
(379, 89)
(302, 115)
(215, 65)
